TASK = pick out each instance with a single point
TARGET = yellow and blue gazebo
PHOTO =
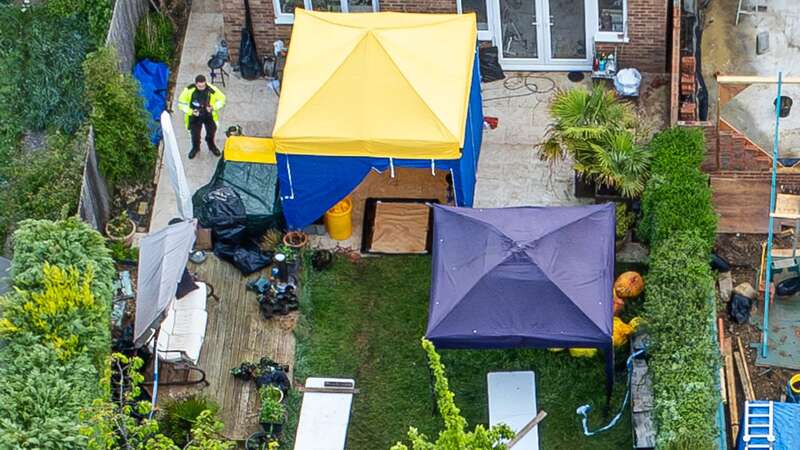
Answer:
(375, 91)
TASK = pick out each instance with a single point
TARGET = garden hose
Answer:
(584, 410)
(793, 389)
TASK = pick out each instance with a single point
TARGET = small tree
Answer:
(454, 436)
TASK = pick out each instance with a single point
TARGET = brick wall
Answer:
(647, 33)
(647, 28)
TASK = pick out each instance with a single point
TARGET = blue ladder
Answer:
(758, 425)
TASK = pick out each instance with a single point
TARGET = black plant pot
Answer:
(273, 429)
(583, 188)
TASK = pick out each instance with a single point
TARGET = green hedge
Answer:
(680, 224)
(683, 358)
(55, 334)
(41, 81)
(44, 184)
(119, 118)
(678, 196)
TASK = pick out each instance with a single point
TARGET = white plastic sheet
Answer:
(174, 165)
(627, 82)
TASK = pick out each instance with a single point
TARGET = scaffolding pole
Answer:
(772, 195)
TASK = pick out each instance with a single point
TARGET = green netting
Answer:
(257, 186)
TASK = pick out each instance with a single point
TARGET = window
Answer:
(481, 11)
(284, 9)
(612, 17)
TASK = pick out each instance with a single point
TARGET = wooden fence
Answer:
(94, 206)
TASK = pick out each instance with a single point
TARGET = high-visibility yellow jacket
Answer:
(216, 98)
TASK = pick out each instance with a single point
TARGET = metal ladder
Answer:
(747, 10)
(758, 425)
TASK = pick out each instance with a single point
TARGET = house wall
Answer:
(647, 28)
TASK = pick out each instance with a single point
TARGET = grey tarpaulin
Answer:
(523, 277)
(162, 258)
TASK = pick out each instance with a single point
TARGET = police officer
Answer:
(201, 102)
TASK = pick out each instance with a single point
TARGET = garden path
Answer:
(250, 104)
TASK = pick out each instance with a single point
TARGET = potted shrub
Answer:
(272, 414)
(121, 229)
(598, 133)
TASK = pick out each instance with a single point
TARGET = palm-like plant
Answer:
(595, 130)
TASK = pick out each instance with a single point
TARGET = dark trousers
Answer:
(196, 124)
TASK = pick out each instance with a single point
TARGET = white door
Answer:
(543, 34)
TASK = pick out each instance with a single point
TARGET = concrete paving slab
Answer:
(250, 104)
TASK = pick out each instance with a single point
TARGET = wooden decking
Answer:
(236, 332)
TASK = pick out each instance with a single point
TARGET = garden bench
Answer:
(183, 330)
(512, 401)
(325, 414)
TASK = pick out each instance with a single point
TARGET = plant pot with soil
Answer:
(273, 414)
(121, 229)
(295, 239)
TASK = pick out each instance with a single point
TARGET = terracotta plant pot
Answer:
(295, 239)
(126, 240)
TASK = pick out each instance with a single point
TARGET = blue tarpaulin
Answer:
(312, 184)
(785, 426)
(153, 78)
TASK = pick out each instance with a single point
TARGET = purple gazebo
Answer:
(523, 277)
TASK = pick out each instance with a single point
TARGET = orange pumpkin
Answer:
(618, 304)
(629, 285)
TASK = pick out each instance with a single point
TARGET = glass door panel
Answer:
(567, 29)
(519, 28)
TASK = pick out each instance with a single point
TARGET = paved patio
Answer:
(250, 104)
(510, 172)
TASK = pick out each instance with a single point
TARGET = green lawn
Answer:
(365, 320)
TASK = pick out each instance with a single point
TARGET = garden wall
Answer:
(94, 206)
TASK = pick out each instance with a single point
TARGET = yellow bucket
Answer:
(339, 220)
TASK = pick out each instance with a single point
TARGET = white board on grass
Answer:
(324, 417)
(512, 401)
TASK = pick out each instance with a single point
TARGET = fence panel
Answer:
(94, 206)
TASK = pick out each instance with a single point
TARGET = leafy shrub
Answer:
(41, 396)
(41, 81)
(677, 197)
(121, 252)
(178, 417)
(683, 357)
(597, 132)
(625, 219)
(63, 313)
(155, 38)
(454, 436)
(119, 118)
(44, 184)
(66, 244)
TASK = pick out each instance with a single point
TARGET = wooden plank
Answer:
(733, 411)
(527, 428)
(744, 79)
(722, 387)
(741, 368)
(751, 393)
(743, 207)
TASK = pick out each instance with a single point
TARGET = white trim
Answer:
(611, 36)
(483, 35)
(282, 18)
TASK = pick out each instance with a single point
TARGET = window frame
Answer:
(282, 18)
(483, 35)
(611, 36)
